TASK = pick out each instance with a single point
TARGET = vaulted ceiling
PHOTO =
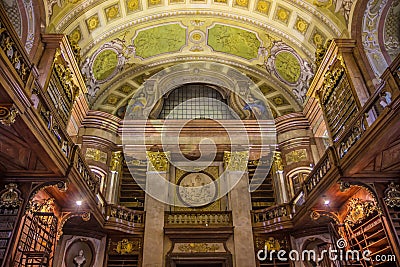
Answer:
(125, 42)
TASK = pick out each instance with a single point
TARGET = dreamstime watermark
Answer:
(175, 136)
(334, 254)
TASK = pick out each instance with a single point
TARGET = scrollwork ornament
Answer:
(8, 114)
(359, 210)
(392, 195)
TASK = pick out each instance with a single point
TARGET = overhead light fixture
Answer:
(79, 202)
(326, 202)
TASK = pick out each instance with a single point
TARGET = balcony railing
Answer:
(198, 218)
(124, 219)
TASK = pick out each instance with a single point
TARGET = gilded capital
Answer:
(159, 161)
(236, 161)
(116, 161)
(277, 164)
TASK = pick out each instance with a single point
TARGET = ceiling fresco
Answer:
(124, 42)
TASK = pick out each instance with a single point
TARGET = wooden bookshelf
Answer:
(8, 218)
(370, 235)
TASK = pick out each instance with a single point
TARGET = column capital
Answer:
(159, 161)
(236, 161)
(277, 164)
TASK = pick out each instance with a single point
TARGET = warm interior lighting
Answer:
(327, 201)
(79, 202)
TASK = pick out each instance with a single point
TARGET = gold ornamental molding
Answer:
(198, 247)
(159, 161)
(236, 161)
(8, 113)
(392, 195)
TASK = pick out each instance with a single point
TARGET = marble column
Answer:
(113, 182)
(240, 203)
(156, 194)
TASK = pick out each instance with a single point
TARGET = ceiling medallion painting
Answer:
(290, 68)
(105, 63)
(159, 40)
(232, 40)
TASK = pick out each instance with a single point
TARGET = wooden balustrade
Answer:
(277, 213)
(118, 213)
(193, 218)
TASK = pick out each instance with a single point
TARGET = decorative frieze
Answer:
(296, 156)
(96, 155)
(125, 246)
(198, 247)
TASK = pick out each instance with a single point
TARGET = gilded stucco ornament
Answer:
(392, 195)
(290, 68)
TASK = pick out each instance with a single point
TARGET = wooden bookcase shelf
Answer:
(370, 235)
(8, 218)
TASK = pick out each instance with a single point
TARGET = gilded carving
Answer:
(159, 161)
(126, 246)
(65, 77)
(287, 66)
(10, 198)
(46, 206)
(296, 156)
(8, 113)
(392, 195)
(236, 161)
(198, 247)
(243, 3)
(359, 210)
(331, 80)
(96, 155)
(277, 164)
(116, 161)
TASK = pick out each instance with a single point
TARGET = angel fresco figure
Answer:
(257, 106)
(135, 111)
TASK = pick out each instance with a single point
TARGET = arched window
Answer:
(195, 101)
